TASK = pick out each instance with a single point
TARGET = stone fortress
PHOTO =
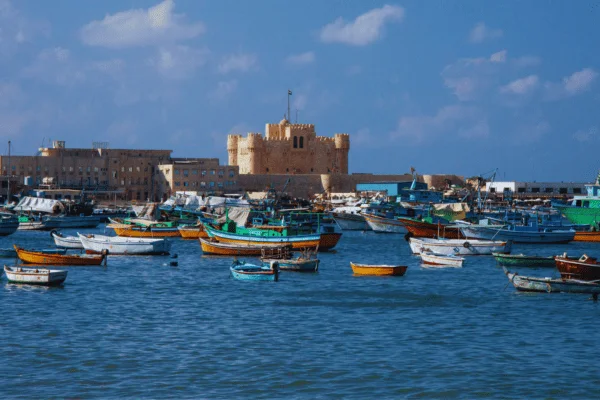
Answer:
(289, 148)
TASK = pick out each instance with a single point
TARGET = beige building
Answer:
(289, 149)
(99, 170)
(201, 175)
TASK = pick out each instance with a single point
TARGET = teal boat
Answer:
(522, 260)
(584, 209)
(249, 272)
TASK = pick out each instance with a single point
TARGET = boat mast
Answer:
(8, 176)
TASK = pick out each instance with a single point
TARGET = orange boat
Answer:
(378, 270)
(329, 240)
(40, 258)
(192, 232)
(213, 247)
(422, 229)
(587, 237)
(144, 232)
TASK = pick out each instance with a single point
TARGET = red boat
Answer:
(584, 268)
(422, 229)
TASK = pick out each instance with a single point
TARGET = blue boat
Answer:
(249, 272)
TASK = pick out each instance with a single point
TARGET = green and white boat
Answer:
(584, 210)
(522, 260)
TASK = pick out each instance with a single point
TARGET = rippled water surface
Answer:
(143, 329)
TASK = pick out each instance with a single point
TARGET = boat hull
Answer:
(35, 276)
(580, 215)
(587, 236)
(351, 222)
(150, 233)
(191, 233)
(50, 223)
(378, 270)
(486, 233)
(125, 246)
(329, 240)
(548, 285)
(524, 261)
(297, 242)
(441, 260)
(429, 230)
(232, 249)
(570, 268)
(248, 272)
(40, 258)
(460, 247)
(385, 225)
(67, 242)
(297, 265)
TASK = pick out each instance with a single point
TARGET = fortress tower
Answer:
(289, 149)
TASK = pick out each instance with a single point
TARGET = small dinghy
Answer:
(306, 262)
(378, 270)
(550, 285)
(441, 260)
(40, 258)
(67, 242)
(522, 260)
(249, 272)
(35, 276)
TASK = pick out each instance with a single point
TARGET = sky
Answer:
(444, 86)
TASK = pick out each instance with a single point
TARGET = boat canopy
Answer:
(37, 204)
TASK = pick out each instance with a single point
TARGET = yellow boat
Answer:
(143, 232)
(40, 258)
(212, 247)
(379, 270)
(192, 232)
(587, 237)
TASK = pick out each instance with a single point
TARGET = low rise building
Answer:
(200, 175)
(535, 189)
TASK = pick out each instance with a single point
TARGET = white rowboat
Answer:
(459, 247)
(67, 242)
(441, 260)
(124, 245)
(35, 276)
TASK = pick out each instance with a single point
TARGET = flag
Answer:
(289, 92)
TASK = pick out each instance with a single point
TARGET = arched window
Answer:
(295, 142)
(301, 142)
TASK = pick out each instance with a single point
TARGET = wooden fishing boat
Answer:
(522, 260)
(584, 268)
(97, 244)
(12, 253)
(39, 258)
(296, 241)
(549, 285)
(518, 234)
(9, 224)
(213, 247)
(418, 228)
(306, 262)
(329, 240)
(587, 236)
(192, 232)
(379, 270)
(384, 225)
(126, 230)
(461, 247)
(351, 221)
(67, 242)
(250, 272)
(35, 276)
(442, 260)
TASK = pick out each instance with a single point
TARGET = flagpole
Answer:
(288, 113)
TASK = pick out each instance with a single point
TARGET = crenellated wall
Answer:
(289, 149)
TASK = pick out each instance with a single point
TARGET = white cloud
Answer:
(498, 57)
(156, 25)
(365, 29)
(576, 83)
(178, 62)
(527, 61)
(238, 62)
(301, 59)
(224, 89)
(586, 135)
(521, 86)
(481, 32)
(469, 77)
(455, 120)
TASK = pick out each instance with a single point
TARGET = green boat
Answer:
(522, 260)
(584, 209)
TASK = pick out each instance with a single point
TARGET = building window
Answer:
(185, 184)
(549, 190)
(221, 173)
(202, 184)
(212, 171)
(535, 190)
(95, 169)
(576, 190)
(521, 190)
(562, 190)
(122, 182)
(492, 190)
(267, 169)
(70, 169)
(231, 173)
(38, 168)
(186, 172)
(295, 142)
(138, 169)
(220, 184)
(194, 172)
(122, 169)
(177, 184)
(212, 184)
(130, 169)
(203, 172)
(176, 172)
(301, 142)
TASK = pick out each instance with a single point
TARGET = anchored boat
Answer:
(522, 260)
(41, 258)
(442, 260)
(67, 242)
(461, 247)
(35, 276)
(250, 272)
(378, 270)
(124, 245)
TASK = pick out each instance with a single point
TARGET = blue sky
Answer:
(445, 86)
